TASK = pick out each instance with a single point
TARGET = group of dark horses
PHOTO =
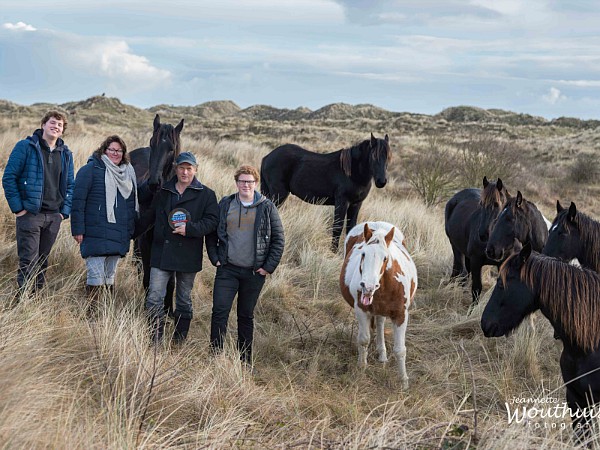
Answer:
(485, 226)
(489, 227)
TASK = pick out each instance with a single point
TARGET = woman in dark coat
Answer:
(104, 212)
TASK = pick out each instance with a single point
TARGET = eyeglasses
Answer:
(114, 151)
(246, 182)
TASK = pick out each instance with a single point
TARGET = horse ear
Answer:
(367, 232)
(572, 212)
(499, 185)
(559, 207)
(389, 236)
(485, 182)
(156, 122)
(179, 127)
(519, 201)
(525, 252)
(386, 139)
(373, 141)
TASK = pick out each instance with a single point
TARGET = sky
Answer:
(540, 57)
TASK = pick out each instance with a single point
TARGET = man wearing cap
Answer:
(184, 212)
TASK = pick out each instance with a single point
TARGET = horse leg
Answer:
(364, 335)
(380, 338)
(352, 216)
(476, 285)
(400, 348)
(341, 207)
(458, 264)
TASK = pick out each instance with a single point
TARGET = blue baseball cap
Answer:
(186, 157)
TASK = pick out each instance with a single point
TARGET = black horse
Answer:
(468, 218)
(519, 223)
(568, 297)
(574, 235)
(153, 165)
(342, 178)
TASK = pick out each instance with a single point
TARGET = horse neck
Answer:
(362, 172)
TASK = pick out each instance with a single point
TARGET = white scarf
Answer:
(118, 177)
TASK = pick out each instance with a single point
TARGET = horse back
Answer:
(458, 214)
(539, 229)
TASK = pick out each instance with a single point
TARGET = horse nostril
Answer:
(362, 284)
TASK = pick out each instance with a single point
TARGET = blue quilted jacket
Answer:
(88, 217)
(23, 179)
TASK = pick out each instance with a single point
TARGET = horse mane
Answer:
(380, 151)
(491, 195)
(589, 229)
(569, 292)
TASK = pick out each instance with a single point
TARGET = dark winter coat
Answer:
(268, 236)
(23, 179)
(174, 252)
(88, 215)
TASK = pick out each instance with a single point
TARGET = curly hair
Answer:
(109, 140)
(56, 115)
(247, 170)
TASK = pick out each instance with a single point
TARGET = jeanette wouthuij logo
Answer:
(545, 413)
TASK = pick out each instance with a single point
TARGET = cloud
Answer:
(19, 26)
(553, 96)
(116, 62)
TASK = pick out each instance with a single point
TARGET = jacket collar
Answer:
(170, 185)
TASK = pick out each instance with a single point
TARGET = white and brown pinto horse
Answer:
(379, 280)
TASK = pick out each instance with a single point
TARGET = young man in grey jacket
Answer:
(246, 247)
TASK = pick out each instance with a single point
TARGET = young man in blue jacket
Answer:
(38, 184)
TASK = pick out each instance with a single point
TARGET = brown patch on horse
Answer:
(389, 237)
(390, 299)
(345, 290)
(578, 309)
(367, 232)
(352, 241)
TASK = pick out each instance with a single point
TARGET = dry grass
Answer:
(66, 382)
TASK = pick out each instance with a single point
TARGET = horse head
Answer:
(564, 240)
(374, 258)
(164, 147)
(380, 156)
(511, 230)
(493, 198)
(512, 299)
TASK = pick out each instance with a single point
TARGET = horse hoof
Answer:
(383, 359)
(405, 385)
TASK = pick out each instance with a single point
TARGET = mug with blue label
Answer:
(179, 217)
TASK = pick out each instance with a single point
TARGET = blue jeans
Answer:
(184, 282)
(101, 269)
(247, 284)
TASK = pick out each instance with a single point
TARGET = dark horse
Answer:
(568, 297)
(574, 235)
(153, 165)
(341, 178)
(468, 218)
(519, 223)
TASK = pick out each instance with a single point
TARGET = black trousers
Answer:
(36, 234)
(247, 284)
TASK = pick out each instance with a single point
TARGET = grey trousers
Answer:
(36, 234)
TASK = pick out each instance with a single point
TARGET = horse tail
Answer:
(264, 186)
(450, 208)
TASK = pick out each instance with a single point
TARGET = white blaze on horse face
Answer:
(374, 261)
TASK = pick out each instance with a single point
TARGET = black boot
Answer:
(157, 328)
(182, 326)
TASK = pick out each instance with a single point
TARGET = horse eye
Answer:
(496, 205)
